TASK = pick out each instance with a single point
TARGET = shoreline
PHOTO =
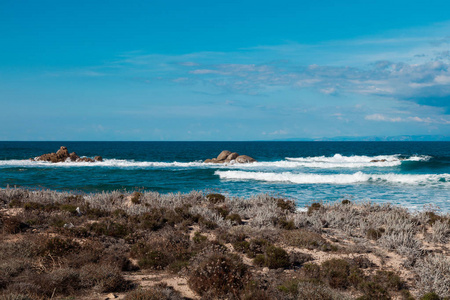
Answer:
(138, 244)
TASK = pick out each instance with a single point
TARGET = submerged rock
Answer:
(62, 155)
(227, 156)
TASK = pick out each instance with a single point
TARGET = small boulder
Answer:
(62, 153)
(227, 157)
(232, 156)
(73, 156)
(85, 159)
(98, 158)
(244, 159)
(223, 155)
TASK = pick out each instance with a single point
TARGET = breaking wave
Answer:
(358, 177)
(318, 162)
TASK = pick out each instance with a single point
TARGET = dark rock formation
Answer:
(227, 156)
(62, 155)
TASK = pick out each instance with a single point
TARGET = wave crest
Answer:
(358, 177)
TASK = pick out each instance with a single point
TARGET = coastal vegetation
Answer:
(146, 245)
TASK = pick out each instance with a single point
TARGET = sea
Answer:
(415, 175)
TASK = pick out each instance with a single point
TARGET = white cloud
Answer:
(380, 117)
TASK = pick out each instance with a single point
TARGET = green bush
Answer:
(198, 238)
(273, 258)
(430, 296)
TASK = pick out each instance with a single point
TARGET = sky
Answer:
(223, 70)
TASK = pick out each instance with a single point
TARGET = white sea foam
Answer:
(358, 177)
(117, 163)
(354, 161)
(318, 162)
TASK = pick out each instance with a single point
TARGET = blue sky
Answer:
(206, 70)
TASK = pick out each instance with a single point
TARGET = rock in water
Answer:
(227, 156)
(244, 159)
(232, 156)
(73, 156)
(223, 155)
(63, 155)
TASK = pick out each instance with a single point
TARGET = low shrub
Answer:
(215, 198)
(285, 224)
(136, 198)
(313, 290)
(289, 287)
(433, 217)
(109, 228)
(287, 205)
(345, 202)
(221, 274)
(61, 282)
(13, 225)
(297, 259)
(388, 280)
(198, 238)
(305, 239)
(316, 206)
(57, 246)
(251, 248)
(105, 278)
(235, 219)
(153, 220)
(335, 272)
(311, 271)
(273, 258)
(222, 211)
(253, 291)
(69, 208)
(430, 296)
(374, 234)
(372, 290)
(162, 251)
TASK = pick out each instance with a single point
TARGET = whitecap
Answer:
(358, 177)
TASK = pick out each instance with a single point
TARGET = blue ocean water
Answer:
(412, 174)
